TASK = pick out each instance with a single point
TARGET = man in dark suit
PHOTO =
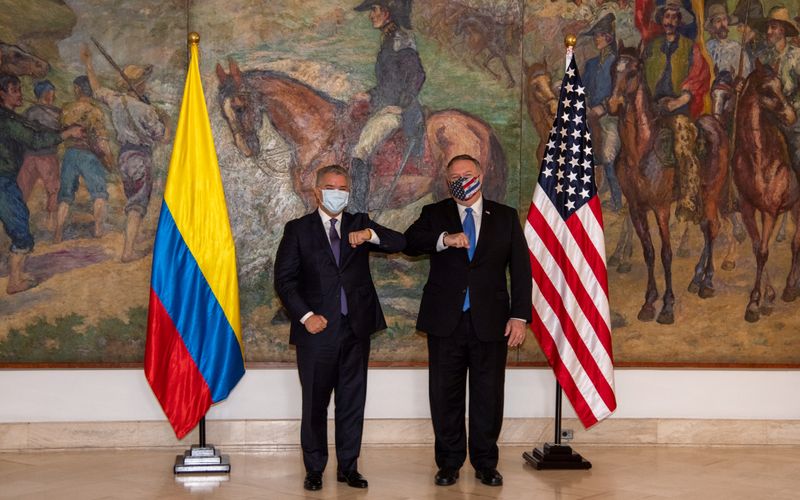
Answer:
(322, 277)
(469, 317)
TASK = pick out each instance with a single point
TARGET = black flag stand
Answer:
(554, 455)
(202, 458)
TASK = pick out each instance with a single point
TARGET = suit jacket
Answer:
(500, 245)
(308, 279)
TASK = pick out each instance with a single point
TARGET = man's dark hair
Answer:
(464, 157)
(41, 87)
(332, 169)
(82, 82)
(7, 80)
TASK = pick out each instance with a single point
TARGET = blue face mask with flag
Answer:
(464, 187)
(335, 200)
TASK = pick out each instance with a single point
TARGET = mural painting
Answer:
(699, 203)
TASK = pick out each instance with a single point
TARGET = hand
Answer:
(458, 240)
(395, 110)
(86, 54)
(663, 105)
(73, 131)
(515, 331)
(358, 237)
(316, 323)
(739, 86)
(596, 112)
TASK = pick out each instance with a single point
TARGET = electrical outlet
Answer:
(567, 434)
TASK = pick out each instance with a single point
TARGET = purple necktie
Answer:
(335, 247)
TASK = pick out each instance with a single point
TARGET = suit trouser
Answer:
(340, 367)
(450, 360)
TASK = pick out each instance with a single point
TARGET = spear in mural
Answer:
(114, 65)
(733, 194)
(397, 175)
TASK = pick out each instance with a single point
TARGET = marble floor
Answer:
(651, 472)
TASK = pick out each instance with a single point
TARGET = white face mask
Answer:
(335, 200)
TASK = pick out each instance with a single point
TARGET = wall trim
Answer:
(276, 435)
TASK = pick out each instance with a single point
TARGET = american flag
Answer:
(571, 318)
(464, 187)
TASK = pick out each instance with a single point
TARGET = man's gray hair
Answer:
(332, 169)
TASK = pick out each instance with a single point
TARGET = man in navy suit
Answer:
(322, 277)
(469, 316)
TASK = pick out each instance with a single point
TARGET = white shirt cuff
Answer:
(306, 316)
(440, 242)
(375, 240)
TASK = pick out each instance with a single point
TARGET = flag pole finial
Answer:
(570, 41)
(194, 38)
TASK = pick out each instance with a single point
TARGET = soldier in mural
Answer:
(86, 157)
(724, 52)
(139, 128)
(677, 76)
(42, 164)
(624, 24)
(393, 101)
(785, 61)
(597, 79)
(17, 135)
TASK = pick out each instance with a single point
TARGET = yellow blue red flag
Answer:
(194, 354)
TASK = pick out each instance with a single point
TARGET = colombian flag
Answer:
(194, 355)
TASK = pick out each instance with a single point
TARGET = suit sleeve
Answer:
(421, 236)
(390, 240)
(287, 273)
(520, 271)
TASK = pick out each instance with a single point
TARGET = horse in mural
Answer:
(320, 130)
(763, 174)
(16, 61)
(650, 185)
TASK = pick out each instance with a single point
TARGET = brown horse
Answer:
(16, 61)
(763, 174)
(648, 185)
(320, 131)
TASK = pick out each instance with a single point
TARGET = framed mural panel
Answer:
(287, 86)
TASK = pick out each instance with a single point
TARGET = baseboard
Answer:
(275, 435)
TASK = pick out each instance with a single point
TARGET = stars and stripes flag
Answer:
(564, 231)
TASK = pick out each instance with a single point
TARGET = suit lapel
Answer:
(321, 235)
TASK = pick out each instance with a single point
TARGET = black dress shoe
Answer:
(489, 477)
(313, 481)
(352, 478)
(446, 477)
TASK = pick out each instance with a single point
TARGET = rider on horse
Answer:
(393, 101)
(785, 60)
(597, 74)
(677, 76)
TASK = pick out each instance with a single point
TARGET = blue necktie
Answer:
(335, 244)
(469, 230)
